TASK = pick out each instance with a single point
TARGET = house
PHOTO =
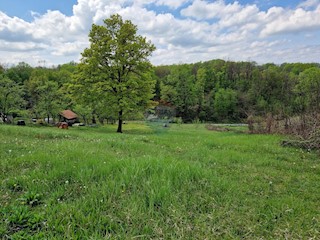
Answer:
(68, 116)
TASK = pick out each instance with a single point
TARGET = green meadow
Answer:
(151, 182)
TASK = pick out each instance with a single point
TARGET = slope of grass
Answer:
(182, 182)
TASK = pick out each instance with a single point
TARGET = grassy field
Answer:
(181, 182)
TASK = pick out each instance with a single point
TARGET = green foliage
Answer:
(85, 112)
(11, 97)
(168, 93)
(45, 93)
(48, 103)
(199, 88)
(115, 70)
(308, 90)
(115, 80)
(20, 73)
(185, 94)
(260, 89)
(225, 102)
(179, 91)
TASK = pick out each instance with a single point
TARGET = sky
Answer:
(52, 32)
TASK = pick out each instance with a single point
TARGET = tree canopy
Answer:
(115, 69)
(10, 97)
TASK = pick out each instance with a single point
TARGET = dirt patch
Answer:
(217, 128)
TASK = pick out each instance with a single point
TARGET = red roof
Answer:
(68, 114)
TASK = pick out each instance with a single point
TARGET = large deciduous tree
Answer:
(115, 69)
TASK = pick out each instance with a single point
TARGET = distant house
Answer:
(68, 116)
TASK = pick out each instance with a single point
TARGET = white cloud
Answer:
(14, 29)
(309, 4)
(21, 46)
(200, 9)
(204, 30)
(172, 4)
(52, 25)
(292, 21)
(69, 49)
(247, 14)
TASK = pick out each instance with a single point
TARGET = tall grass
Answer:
(182, 182)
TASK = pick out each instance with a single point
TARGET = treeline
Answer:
(267, 96)
(226, 91)
(213, 91)
(42, 93)
(34, 92)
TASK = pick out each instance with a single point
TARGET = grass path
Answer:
(182, 182)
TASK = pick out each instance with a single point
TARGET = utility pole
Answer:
(42, 63)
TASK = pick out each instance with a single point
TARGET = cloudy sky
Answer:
(184, 31)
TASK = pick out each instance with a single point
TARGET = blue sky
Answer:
(56, 31)
(23, 8)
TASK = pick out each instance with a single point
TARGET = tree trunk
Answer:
(101, 120)
(120, 122)
(3, 116)
(94, 121)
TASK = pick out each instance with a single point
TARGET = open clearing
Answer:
(181, 182)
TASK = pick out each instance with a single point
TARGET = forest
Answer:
(266, 96)
(269, 98)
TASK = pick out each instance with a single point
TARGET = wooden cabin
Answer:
(68, 116)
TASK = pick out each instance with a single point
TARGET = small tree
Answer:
(45, 96)
(115, 68)
(10, 97)
(48, 103)
(308, 90)
(84, 111)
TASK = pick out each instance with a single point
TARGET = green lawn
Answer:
(181, 182)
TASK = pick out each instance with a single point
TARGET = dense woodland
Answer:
(213, 91)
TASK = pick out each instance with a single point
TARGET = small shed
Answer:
(68, 116)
